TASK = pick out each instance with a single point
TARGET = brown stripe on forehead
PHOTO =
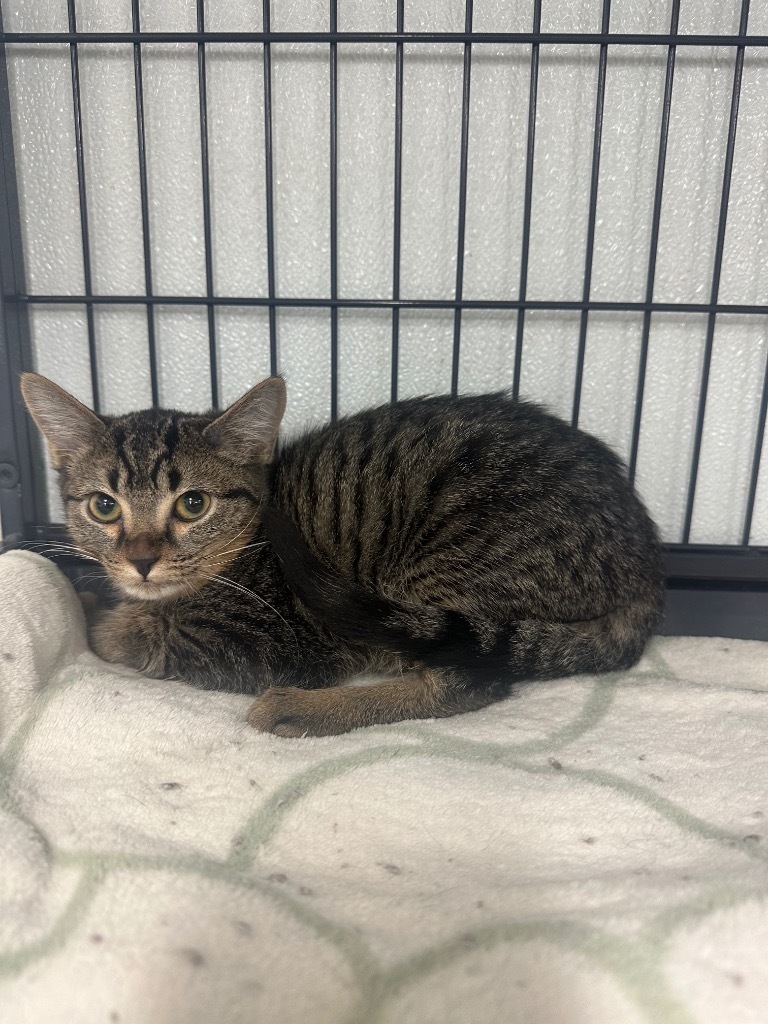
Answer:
(174, 476)
(119, 435)
(153, 473)
(169, 439)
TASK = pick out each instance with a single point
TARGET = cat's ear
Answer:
(67, 425)
(247, 431)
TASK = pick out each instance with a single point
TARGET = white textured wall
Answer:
(41, 94)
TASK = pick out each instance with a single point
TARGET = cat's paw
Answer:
(287, 711)
(123, 636)
(279, 710)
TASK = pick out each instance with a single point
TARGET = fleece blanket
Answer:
(592, 849)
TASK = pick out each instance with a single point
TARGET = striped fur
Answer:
(458, 544)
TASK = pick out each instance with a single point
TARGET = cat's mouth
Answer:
(152, 590)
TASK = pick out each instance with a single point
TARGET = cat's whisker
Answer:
(217, 556)
(238, 586)
(56, 547)
(60, 551)
(229, 551)
(255, 544)
(50, 544)
(193, 564)
(211, 563)
(89, 576)
(240, 534)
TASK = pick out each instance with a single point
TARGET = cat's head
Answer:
(163, 499)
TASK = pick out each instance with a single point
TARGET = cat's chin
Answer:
(148, 590)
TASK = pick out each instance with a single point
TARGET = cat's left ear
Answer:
(247, 431)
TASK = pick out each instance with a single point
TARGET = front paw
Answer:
(279, 710)
(127, 636)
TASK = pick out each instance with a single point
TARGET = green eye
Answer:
(192, 505)
(104, 508)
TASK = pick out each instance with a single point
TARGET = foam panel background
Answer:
(45, 150)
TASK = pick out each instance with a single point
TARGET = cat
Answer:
(455, 545)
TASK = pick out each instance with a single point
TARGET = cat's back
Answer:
(433, 494)
(425, 434)
(434, 447)
(422, 446)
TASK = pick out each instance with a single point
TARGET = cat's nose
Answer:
(143, 565)
(142, 551)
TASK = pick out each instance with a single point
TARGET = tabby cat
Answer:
(454, 545)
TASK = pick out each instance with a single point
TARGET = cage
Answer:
(567, 200)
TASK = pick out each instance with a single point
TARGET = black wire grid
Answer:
(23, 514)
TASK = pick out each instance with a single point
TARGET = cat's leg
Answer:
(164, 643)
(130, 634)
(158, 643)
(426, 693)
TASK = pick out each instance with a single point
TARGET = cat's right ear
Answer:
(67, 425)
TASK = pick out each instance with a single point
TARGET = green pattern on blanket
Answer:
(554, 857)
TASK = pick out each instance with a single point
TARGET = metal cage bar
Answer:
(592, 214)
(463, 168)
(397, 205)
(717, 268)
(530, 148)
(141, 137)
(661, 163)
(83, 199)
(269, 192)
(756, 456)
(334, 210)
(596, 38)
(575, 305)
(207, 234)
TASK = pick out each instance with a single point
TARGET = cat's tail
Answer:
(444, 638)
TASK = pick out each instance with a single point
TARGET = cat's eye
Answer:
(192, 505)
(104, 508)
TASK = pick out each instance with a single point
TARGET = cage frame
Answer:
(708, 584)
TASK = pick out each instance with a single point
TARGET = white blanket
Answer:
(590, 850)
